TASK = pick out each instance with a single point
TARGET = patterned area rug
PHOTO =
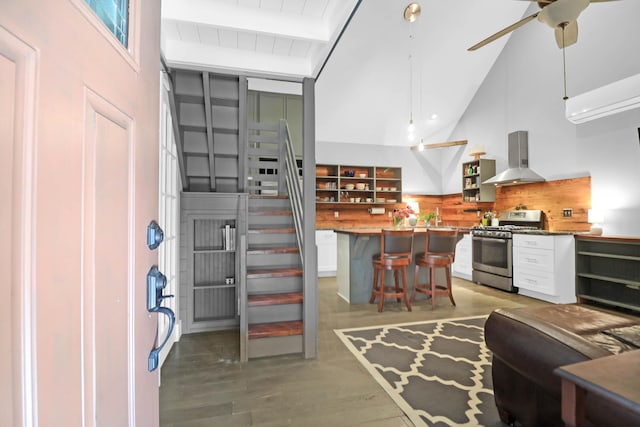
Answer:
(438, 372)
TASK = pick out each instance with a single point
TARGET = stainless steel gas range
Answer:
(493, 248)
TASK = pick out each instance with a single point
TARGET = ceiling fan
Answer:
(561, 15)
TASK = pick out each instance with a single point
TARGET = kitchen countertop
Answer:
(549, 233)
(369, 231)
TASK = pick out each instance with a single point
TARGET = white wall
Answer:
(420, 174)
(524, 91)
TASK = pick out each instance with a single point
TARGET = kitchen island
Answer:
(356, 247)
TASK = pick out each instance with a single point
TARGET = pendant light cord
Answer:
(564, 64)
(410, 86)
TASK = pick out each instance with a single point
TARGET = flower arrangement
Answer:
(426, 217)
(399, 215)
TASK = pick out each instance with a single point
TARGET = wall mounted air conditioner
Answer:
(604, 101)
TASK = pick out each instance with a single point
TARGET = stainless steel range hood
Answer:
(518, 172)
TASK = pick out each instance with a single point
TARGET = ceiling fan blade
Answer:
(570, 35)
(504, 31)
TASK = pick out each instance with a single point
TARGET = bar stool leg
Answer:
(432, 278)
(381, 288)
(448, 269)
(374, 286)
(415, 283)
(405, 291)
(397, 283)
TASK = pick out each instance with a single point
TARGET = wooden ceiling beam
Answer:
(439, 145)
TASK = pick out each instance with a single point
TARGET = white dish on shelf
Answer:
(392, 201)
(363, 175)
(385, 188)
(393, 188)
(380, 200)
(360, 186)
(378, 188)
(349, 187)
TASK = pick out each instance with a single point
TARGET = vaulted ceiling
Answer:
(293, 39)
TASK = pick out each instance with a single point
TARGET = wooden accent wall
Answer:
(549, 196)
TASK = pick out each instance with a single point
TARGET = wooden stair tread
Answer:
(273, 272)
(275, 329)
(275, 299)
(267, 196)
(272, 249)
(271, 230)
(270, 212)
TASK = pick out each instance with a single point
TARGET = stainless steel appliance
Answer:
(493, 248)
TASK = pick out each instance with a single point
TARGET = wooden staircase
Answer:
(274, 279)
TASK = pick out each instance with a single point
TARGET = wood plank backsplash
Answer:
(550, 196)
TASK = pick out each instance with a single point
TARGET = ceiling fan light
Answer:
(562, 11)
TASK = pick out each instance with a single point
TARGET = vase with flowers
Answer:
(399, 215)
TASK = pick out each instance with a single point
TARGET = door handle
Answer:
(155, 235)
(156, 282)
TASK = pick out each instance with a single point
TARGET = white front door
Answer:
(79, 184)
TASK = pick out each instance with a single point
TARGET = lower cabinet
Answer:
(608, 271)
(544, 267)
(463, 267)
(327, 242)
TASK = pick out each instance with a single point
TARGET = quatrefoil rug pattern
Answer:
(438, 372)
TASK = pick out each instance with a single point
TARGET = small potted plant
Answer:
(426, 217)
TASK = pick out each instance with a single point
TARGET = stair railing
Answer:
(294, 186)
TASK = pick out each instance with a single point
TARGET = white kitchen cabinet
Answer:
(327, 243)
(463, 267)
(544, 267)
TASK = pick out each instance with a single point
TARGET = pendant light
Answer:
(411, 14)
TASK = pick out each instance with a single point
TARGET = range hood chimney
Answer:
(518, 172)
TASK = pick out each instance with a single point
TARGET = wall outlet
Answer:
(567, 212)
(336, 214)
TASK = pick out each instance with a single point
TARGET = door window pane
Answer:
(114, 14)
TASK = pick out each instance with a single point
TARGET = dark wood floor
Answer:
(204, 384)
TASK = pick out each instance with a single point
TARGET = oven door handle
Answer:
(491, 239)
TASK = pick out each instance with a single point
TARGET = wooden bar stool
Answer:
(396, 247)
(440, 252)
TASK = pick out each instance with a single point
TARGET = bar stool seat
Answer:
(440, 252)
(396, 247)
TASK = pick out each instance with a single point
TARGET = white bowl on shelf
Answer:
(380, 200)
(393, 188)
(385, 188)
(363, 175)
(360, 186)
(392, 201)
(349, 187)
(378, 188)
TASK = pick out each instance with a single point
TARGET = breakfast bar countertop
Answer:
(370, 231)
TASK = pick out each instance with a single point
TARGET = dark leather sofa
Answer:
(529, 343)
